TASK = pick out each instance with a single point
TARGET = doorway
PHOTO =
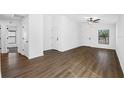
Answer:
(12, 39)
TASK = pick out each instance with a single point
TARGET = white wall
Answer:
(35, 35)
(48, 26)
(23, 36)
(0, 65)
(120, 40)
(91, 31)
(62, 27)
(32, 25)
(19, 37)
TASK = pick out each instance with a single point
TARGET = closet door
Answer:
(55, 39)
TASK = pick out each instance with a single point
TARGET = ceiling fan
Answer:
(93, 20)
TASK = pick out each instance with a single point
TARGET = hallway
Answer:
(78, 62)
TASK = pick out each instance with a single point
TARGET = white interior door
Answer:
(90, 39)
(55, 39)
(89, 35)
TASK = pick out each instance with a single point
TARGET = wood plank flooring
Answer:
(76, 63)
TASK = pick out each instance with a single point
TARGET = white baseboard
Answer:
(35, 56)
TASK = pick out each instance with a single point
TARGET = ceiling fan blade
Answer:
(96, 20)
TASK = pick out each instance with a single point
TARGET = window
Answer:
(103, 36)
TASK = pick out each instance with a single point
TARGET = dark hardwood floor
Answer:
(76, 63)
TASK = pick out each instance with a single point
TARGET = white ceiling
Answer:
(11, 16)
(105, 18)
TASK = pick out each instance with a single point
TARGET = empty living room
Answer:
(62, 45)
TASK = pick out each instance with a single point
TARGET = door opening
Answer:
(12, 39)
